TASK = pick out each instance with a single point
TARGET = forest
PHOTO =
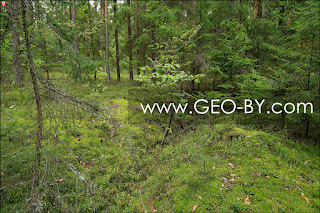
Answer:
(160, 106)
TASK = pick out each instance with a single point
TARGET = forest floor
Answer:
(117, 164)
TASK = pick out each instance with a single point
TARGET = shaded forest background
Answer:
(246, 49)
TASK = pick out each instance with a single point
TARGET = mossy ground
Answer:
(121, 166)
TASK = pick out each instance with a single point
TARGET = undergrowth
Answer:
(117, 164)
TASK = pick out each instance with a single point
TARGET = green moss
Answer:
(234, 133)
(131, 168)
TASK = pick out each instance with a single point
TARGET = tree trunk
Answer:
(16, 61)
(137, 34)
(29, 9)
(76, 39)
(74, 22)
(91, 38)
(107, 40)
(43, 43)
(130, 44)
(70, 14)
(194, 6)
(289, 19)
(281, 15)
(308, 86)
(310, 64)
(307, 126)
(319, 85)
(101, 48)
(257, 9)
(167, 129)
(29, 12)
(283, 118)
(153, 54)
(116, 41)
(36, 175)
(65, 13)
(101, 34)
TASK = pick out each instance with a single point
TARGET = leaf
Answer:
(233, 175)
(194, 207)
(198, 196)
(231, 165)
(11, 107)
(306, 199)
(246, 200)
(60, 180)
(225, 181)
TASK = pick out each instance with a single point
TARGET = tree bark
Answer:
(101, 34)
(167, 129)
(92, 52)
(16, 60)
(107, 40)
(194, 6)
(310, 65)
(307, 126)
(29, 12)
(153, 54)
(137, 35)
(281, 15)
(70, 15)
(289, 19)
(36, 175)
(116, 41)
(130, 44)
(65, 13)
(43, 43)
(319, 86)
(257, 9)
(76, 39)
(308, 86)
(283, 118)
(74, 21)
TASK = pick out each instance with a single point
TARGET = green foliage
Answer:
(165, 75)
